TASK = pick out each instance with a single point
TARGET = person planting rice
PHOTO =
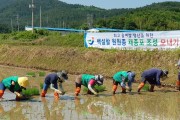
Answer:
(153, 76)
(52, 80)
(125, 79)
(178, 81)
(15, 84)
(88, 81)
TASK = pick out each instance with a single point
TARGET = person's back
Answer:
(86, 78)
(118, 76)
(151, 73)
(51, 78)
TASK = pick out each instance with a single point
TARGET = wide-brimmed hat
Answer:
(23, 82)
(63, 74)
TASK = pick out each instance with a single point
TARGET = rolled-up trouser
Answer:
(78, 88)
(78, 85)
(115, 84)
(178, 85)
(141, 85)
(179, 75)
(152, 88)
(178, 81)
(56, 95)
(152, 83)
(2, 89)
(45, 88)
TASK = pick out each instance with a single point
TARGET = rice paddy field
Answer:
(163, 104)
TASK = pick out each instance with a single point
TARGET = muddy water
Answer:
(163, 104)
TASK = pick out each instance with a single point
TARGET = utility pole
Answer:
(40, 18)
(90, 20)
(17, 19)
(11, 25)
(32, 7)
(47, 21)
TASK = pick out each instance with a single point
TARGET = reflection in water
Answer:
(122, 106)
(11, 110)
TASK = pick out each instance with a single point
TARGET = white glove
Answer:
(18, 94)
(58, 91)
(95, 93)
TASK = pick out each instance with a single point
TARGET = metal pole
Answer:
(11, 25)
(32, 6)
(17, 22)
(40, 18)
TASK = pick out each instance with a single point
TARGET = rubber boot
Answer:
(1, 93)
(178, 85)
(123, 90)
(151, 88)
(56, 95)
(141, 85)
(114, 89)
(77, 91)
(43, 93)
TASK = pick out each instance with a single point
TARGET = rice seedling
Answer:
(30, 92)
(41, 74)
(31, 74)
(41, 85)
(146, 87)
(97, 88)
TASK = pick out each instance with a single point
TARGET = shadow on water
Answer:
(66, 97)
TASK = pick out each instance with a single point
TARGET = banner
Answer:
(133, 40)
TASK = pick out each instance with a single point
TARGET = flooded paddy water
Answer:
(163, 104)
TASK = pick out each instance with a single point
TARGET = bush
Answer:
(42, 32)
(25, 35)
(4, 36)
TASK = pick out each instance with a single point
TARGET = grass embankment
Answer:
(56, 52)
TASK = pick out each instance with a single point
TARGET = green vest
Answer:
(86, 78)
(118, 76)
(7, 82)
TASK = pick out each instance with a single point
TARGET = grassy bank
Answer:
(81, 60)
(67, 52)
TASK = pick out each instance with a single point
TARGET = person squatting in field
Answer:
(52, 80)
(153, 76)
(15, 84)
(125, 79)
(88, 81)
(178, 81)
